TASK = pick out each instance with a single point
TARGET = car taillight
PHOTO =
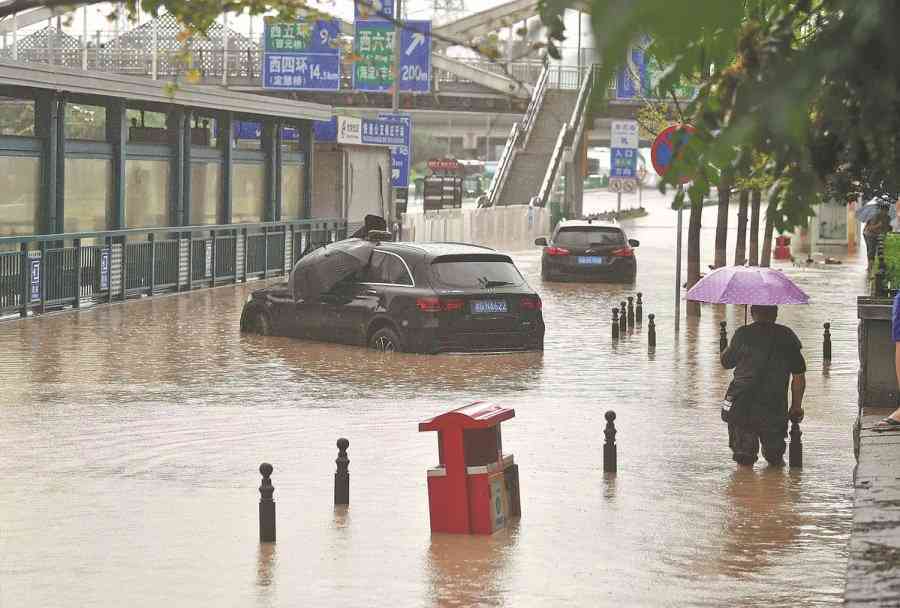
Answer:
(439, 305)
(624, 252)
(556, 251)
(531, 303)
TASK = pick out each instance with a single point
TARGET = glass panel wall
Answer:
(19, 206)
(146, 193)
(249, 193)
(85, 122)
(88, 192)
(206, 193)
(16, 117)
(291, 191)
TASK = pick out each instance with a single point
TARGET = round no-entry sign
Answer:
(667, 145)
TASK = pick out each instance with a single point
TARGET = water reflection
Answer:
(470, 570)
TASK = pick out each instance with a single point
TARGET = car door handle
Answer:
(371, 292)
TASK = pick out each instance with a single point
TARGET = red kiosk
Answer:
(475, 488)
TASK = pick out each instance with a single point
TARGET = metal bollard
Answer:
(609, 446)
(651, 331)
(639, 312)
(795, 452)
(826, 343)
(615, 323)
(623, 318)
(342, 476)
(630, 312)
(266, 505)
(723, 336)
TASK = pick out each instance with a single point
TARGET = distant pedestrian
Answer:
(892, 422)
(764, 356)
(875, 227)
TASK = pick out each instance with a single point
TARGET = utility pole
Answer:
(398, 27)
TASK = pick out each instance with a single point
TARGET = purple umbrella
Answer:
(747, 285)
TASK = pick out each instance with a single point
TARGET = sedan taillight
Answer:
(623, 252)
(556, 251)
(531, 303)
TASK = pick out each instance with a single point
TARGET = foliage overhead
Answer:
(799, 95)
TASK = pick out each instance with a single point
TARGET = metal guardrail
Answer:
(504, 165)
(54, 271)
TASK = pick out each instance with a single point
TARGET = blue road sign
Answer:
(104, 269)
(302, 56)
(623, 162)
(35, 276)
(325, 130)
(373, 10)
(400, 155)
(415, 57)
(253, 130)
(627, 87)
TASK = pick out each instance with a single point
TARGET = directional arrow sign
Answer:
(415, 62)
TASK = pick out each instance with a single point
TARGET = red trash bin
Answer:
(782, 248)
(475, 487)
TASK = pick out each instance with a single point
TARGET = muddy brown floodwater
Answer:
(130, 437)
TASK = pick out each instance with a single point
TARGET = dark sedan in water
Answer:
(412, 297)
(588, 250)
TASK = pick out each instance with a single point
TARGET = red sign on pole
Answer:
(667, 146)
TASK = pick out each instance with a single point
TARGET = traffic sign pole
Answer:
(678, 267)
(398, 27)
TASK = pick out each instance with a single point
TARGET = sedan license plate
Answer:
(480, 307)
(590, 259)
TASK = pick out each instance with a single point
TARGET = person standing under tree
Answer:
(875, 227)
(764, 356)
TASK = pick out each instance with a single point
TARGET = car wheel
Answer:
(385, 340)
(256, 320)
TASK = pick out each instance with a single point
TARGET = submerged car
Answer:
(411, 297)
(588, 250)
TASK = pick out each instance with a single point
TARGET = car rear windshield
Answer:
(475, 271)
(589, 236)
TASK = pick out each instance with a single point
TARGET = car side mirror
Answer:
(541, 241)
(634, 243)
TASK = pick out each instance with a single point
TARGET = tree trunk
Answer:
(721, 257)
(693, 252)
(767, 236)
(754, 227)
(740, 249)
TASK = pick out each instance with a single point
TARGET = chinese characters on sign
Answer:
(623, 153)
(35, 274)
(375, 49)
(302, 56)
(399, 153)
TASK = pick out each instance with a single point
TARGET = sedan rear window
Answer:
(589, 236)
(475, 272)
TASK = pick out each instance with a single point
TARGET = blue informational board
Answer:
(415, 57)
(373, 10)
(400, 155)
(34, 273)
(325, 130)
(104, 269)
(623, 162)
(253, 130)
(626, 85)
(301, 62)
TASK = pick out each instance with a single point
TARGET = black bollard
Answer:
(630, 312)
(609, 446)
(639, 313)
(795, 452)
(266, 505)
(615, 324)
(651, 331)
(826, 343)
(723, 336)
(342, 476)
(623, 319)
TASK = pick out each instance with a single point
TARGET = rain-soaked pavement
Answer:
(131, 434)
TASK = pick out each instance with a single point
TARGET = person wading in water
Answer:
(764, 356)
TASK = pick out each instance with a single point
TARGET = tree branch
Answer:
(18, 6)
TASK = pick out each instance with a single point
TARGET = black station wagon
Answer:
(412, 297)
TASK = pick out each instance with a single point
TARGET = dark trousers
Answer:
(745, 442)
(871, 245)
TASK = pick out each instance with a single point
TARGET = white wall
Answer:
(510, 227)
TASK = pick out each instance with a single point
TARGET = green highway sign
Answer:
(375, 51)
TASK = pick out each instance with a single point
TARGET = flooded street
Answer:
(131, 435)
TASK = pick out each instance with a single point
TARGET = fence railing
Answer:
(49, 272)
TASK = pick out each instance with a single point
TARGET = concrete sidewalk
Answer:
(873, 570)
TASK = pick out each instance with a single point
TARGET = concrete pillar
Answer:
(117, 135)
(226, 144)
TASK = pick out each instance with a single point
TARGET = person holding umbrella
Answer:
(765, 357)
(878, 221)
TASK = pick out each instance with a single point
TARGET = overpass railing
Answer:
(39, 273)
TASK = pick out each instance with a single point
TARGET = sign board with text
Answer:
(34, 274)
(374, 46)
(302, 56)
(400, 154)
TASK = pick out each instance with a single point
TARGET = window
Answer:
(589, 236)
(475, 271)
(387, 268)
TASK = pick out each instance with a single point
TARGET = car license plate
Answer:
(590, 259)
(480, 307)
